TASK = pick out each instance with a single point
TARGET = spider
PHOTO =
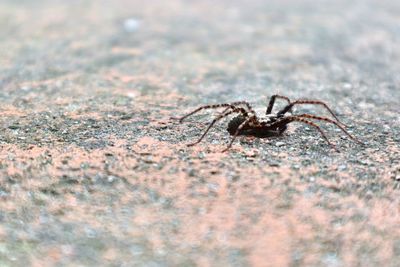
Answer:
(247, 123)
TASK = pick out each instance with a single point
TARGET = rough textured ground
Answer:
(94, 172)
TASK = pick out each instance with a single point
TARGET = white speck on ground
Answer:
(131, 25)
(279, 144)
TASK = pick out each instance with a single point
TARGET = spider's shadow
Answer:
(260, 134)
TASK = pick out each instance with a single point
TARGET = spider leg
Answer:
(224, 114)
(290, 119)
(238, 130)
(305, 101)
(309, 116)
(272, 102)
(205, 107)
(246, 104)
(282, 129)
(225, 110)
(227, 105)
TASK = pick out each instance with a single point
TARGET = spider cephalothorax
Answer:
(247, 122)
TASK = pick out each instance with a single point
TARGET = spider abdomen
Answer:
(234, 123)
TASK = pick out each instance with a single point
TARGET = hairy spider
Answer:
(247, 122)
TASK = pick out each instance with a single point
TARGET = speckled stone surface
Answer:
(94, 172)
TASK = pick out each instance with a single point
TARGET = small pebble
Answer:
(212, 187)
(111, 178)
(13, 127)
(274, 164)
(131, 25)
(67, 249)
(386, 129)
(342, 167)
(279, 144)
(126, 117)
(347, 86)
(215, 142)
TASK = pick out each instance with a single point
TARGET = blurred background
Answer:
(215, 50)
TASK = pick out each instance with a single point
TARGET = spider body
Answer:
(262, 132)
(248, 123)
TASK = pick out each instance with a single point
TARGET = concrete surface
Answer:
(94, 173)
